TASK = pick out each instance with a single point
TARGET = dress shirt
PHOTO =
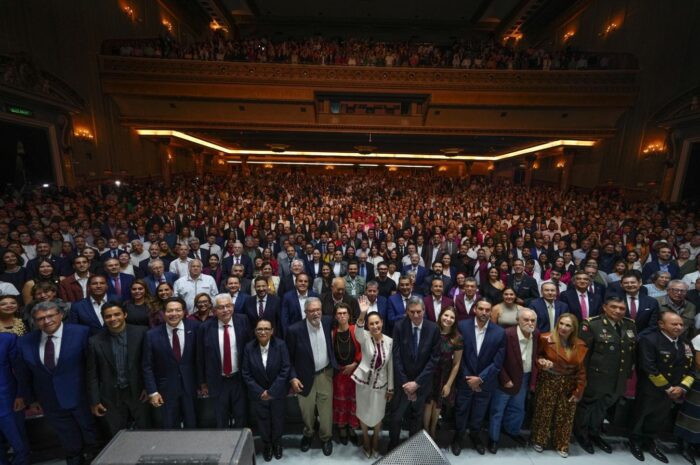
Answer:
(189, 287)
(584, 295)
(82, 282)
(525, 350)
(336, 268)
(97, 307)
(180, 267)
(437, 306)
(213, 249)
(419, 328)
(636, 303)
(318, 345)
(468, 303)
(119, 350)
(180, 335)
(57, 337)
(232, 347)
(302, 301)
(372, 307)
(551, 311)
(264, 350)
(480, 335)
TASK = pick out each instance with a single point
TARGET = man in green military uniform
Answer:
(664, 367)
(611, 340)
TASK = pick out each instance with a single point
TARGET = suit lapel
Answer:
(106, 348)
(131, 349)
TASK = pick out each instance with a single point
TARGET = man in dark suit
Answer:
(233, 286)
(396, 307)
(169, 366)
(312, 362)
(145, 264)
(43, 252)
(196, 252)
(417, 269)
(415, 353)
(263, 305)
(436, 302)
(436, 274)
(11, 404)
(338, 295)
(88, 311)
(293, 303)
(642, 309)
(71, 289)
(377, 303)
(157, 275)
(265, 371)
(515, 379)
(51, 371)
(548, 308)
(581, 303)
(484, 351)
(220, 352)
(525, 286)
(663, 262)
(465, 302)
(114, 376)
(365, 269)
(118, 284)
(237, 257)
(113, 250)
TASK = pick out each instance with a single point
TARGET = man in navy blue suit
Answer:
(266, 374)
(263, 305)
(663, 262)
(644, 310)
(157, 274)
(88, 311)
(547, 307)
(482, 359)
(396, 308)
(118, 283)
(169, 366)
(312, 362)
(415, 267)
(415, 354)
(293, 302)
(113, 250)
(237, 257)
(51, 371)
(239, 298)
(11, 404)
(581, 302)
(377, 303)
(221, 342)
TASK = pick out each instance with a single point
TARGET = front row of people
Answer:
(474, 365)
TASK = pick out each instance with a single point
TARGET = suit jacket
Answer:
(209, 363)
(463, 312)
(395, 309)
(328, 306)
(125, 281)
(204, 256)
(301, 355)
(245, 261)
(615, 289)
(8, 382)
(82, 313)
(430, 308)
(369, 274)
(62, 267)
(512, 369)
(653, 266)
(647, 312)
(490, 359)
(64, 388)
(108, 254)
(291, 311)
(421, 367)
(528, 287)
(571, 299)
(540, 307)
(101, 366)
(239, 303)
(421, 273)
(311, 270)
(272, 310)
(273, 377)
(170, 278)
(69, 290)
(382, 306)
(162, 373)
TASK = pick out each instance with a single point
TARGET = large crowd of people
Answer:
(413, 301)
(475, 53)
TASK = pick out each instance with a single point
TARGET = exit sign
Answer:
(19, 111)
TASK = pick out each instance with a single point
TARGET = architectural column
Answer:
(529, 167)
(568, 161)
(468, 171)
(165, 160)
(245, 168)
(198, 157)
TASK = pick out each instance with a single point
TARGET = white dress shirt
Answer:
(232, 347)
(180, 335)
(480, 335)
(264, 350)
(302, 302)
(97, 307)
(57, 338)
(82, 282)
(180, 267)
(437, 306)
(188, 288)
(525, 350)
(318, 345)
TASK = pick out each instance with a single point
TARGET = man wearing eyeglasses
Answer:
(675, 301)
(51, 373)
(221, 342)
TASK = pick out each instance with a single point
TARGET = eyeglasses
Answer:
(224, 307)
(203, 303)
(677, 290)
(45, 317)
(263, 330)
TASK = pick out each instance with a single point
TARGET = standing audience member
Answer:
(348, 354)
(11, 403)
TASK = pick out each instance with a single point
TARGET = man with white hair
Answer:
(193, 284)
(138, 253)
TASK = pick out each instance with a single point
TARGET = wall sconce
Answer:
(167, 25)
(214, 26)
(330, 167)
(654, 148)
(569, 35)
(129, 11)
(83, 133)
(612, 27)
(393, 168)
(536, 165)
(170, 157)
(221, 161)
(491, 167)
(442, 169)
(268, 165)
(561, 164)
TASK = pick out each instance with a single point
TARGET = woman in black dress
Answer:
(141, 305)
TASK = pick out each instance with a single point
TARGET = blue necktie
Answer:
(415, 342)
(362, 271)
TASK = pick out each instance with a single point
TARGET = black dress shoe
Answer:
(267, 452)
(305, 443)
(327, 448)
(277, 450)
(636, 451)
(517, 438)
(585, 444)
(657, 454)
(343, 439)
(687, 454)
(493, 446)
(456, 446)
(602, 444)
(478, 445)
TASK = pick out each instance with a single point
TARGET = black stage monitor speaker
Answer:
(419, 449)
(186, 447)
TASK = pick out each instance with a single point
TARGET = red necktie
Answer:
(261, 308)
(49, 354)
(633, 307)
(228, 365)
(176, 346)
(584, 306)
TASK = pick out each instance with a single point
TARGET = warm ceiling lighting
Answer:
(129, 11)
(491, 167)
(167, 25)
(561, 164)
(536, 165)
(412, 156)
(569, 35)
(330, 167)
(612, 27)
(268, 165)
(442, 168)
(214, 26)
(392, 168)
(654, 148)
(83, 133)
(409, 166)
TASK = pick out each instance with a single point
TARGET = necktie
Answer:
(162, 278)
(49, 354)
(114, 254)
(378, 361)
(552, 321)
(591, 289)
(176, 346)
(584, 306)
(117, 286)
(238, 261)
(261, 308)
(618, 328)
(633, 307)
(415, 342)
(196, 255)
(228, 365)
(363, 273)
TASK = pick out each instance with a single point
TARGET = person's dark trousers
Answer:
(269, 418)
(231, 404)
(178, 412)
(75, 431)
(470, 408)
(12, 431)
(399, 405)
(126, 411)
(590, 413)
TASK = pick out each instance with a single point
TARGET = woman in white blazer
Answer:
(374, 376)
